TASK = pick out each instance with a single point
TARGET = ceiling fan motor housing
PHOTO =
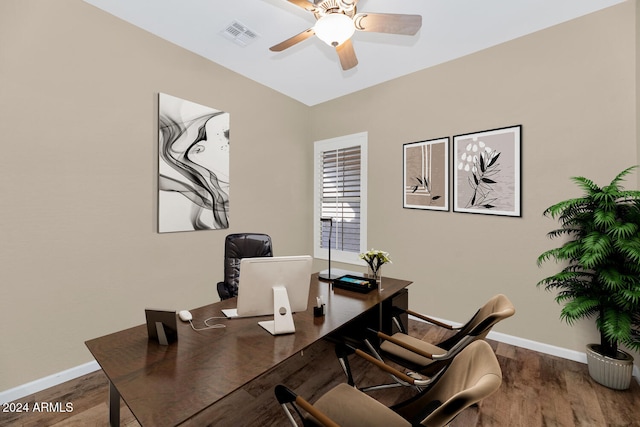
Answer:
(327, 7)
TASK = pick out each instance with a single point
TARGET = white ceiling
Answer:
(310, 71)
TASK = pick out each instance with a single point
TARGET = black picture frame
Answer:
(426, 174)
(162, 326)
(487, 172)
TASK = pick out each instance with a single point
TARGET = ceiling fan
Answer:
(337, 20)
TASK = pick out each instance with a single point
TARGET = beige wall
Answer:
(79, 250)
(570, 87)
(80, 253)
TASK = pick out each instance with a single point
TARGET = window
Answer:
(340, 166)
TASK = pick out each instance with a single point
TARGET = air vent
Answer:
(239, 33)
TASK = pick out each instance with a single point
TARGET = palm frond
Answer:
(620, 177)
(605, 218)
(616, 325)
(623, 230)
(571, 250)
(630, 249)
(579, 308)
(586, 184)
(558, 209)
(631, 297)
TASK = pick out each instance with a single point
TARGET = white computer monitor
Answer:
(277, 286)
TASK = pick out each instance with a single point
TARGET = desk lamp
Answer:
(326, 274)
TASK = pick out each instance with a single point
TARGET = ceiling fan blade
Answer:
(304, 4)
(347, 55)
(388, 23)
(292, 41)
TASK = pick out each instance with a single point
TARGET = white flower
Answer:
(375, 258)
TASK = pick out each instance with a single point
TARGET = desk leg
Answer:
(114, 406)
(400, 300)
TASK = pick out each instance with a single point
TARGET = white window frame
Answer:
(357, 139)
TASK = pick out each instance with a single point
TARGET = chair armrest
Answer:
(390, 369)
(285, 395)
(430, 320)
(316, 413)
(223, 292)
(405, 345)
(401, 376)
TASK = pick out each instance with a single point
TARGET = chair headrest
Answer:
(472, 376)
(246, 245)
(493, 311)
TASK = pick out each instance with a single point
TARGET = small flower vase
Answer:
(377, 275)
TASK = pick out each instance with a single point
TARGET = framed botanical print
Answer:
(426, 174)
(487, 172)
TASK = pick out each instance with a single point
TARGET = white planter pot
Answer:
(613, 373)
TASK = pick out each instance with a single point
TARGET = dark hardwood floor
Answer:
(537, 390)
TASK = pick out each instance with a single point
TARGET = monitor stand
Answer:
(282, 322)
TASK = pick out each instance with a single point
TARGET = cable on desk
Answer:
(208, 326)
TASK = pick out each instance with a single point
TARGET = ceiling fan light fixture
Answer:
(334, 29)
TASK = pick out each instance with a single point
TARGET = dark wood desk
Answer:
(169, 385)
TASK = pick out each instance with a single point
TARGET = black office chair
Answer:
(236, 247)
(471, 377)
(424, 359)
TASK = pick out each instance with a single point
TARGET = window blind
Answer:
(340, 198)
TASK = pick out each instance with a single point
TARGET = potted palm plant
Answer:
(601, 276)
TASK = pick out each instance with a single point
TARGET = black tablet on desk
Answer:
(355, 283)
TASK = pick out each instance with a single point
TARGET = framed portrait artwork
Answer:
(426, 174)
(487, 172)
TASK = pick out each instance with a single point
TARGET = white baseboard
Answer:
(70, 374)
(47, 382)
(552, 350)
